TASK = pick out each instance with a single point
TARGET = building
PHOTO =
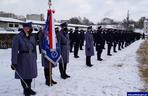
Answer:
(12, 15)
(146, 26)
(107, 21)
(8, 29)
(9, 15)
(36, 17)
(10, 24)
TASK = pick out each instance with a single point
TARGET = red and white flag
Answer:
(51, 33)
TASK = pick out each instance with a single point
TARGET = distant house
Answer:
(107, 21)
(10, 24)
(36, 17)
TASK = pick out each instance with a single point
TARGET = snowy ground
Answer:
(115, 76)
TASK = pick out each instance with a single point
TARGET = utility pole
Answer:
(127, 21)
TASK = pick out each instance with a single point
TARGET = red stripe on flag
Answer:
(50, 29)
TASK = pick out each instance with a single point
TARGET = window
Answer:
(10, 25)
(16, 25)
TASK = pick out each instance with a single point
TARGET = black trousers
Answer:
(47, 74)
(122, 44)
(126, 44)
(119, 45)
(28, 82)
(104, 45)
(76, 49)
(109, 49)
(114, 46)
(81, 45)
(71, 46)
(99, 51)
(62, 68)
(88, 60)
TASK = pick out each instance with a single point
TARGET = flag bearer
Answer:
(45, 63)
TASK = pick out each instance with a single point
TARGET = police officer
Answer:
(104, 37)
(115, 40)
(119, 40)
(71, 38)
(45, 63)
(122, 39)
(63, 38)
(94, 32)
(24, 58)
(76, 36)
(89, 47)
(109, 41)
(99, 43)
(81, 39)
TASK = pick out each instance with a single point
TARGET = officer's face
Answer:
(26, 29)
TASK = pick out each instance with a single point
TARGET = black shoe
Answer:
(67, 76)
(54, 82)
(76, 56)
(26, 92)
(63, 77)
(31, 92)
(100, 59)
(50, 84)
(109, 54)
(115, 51)
(89, 65)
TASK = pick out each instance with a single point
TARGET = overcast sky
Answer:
(94, 10)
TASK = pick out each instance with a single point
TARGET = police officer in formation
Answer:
(99, 43)
(24, 58)
(63, 38)
(81, 39)
(122, 39)
(115, 40)
(103, 36)
(89, 47)
(76, 37)
(45, 63)
(113, 37)
(71, 38)
(109, 40)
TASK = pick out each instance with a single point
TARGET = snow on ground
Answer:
(115, 76)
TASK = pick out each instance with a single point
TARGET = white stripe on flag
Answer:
(53, 33)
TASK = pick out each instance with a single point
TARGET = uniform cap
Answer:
(63, 24)
(28, 24)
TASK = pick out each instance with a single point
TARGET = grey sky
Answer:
(95, 10)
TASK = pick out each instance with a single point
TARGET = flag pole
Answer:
(50, 67)
(49, 3)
